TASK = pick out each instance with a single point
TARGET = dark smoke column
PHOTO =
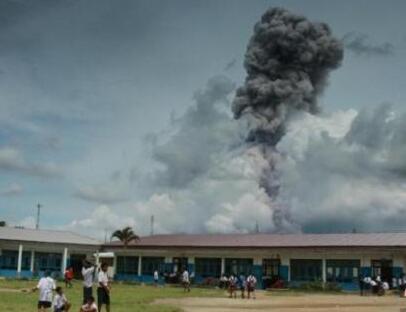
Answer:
(288, 60)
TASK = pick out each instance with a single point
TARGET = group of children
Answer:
(378, 286)
(245, 285)
(59, 302)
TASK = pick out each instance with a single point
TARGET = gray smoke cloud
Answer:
(288, 60)
(204, 130)
(359, 44)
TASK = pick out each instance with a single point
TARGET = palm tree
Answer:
(126, 235)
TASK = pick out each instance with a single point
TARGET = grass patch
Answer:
(124, 297)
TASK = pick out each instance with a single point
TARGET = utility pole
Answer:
(38, 216)
(152, 225)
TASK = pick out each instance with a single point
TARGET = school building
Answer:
(27, 253)
(292, 258)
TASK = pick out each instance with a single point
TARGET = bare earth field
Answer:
(290, 303)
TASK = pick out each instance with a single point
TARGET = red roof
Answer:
(270, 240)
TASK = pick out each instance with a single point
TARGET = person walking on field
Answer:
(103, 289)
(88, 280)
(186, 281)
(46, 286)
(156, 278)
(232, 286)
(251, 284)
(68, 277)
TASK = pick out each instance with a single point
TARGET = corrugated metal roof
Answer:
(45, 236)
(271, 240)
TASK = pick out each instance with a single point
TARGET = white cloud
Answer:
(103, 194)
(12, 160)
(101, 222)
(12, 189)
(339, 178)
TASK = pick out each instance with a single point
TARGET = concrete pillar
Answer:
(32, 262)
(324, 270)
(64, 259)
(285, 265)
(97, 258)
(114, 264)
(223, 266)
(139, 266)
(20, 259)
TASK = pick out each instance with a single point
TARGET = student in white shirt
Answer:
(46, 286)
(186, 280)
(88, 280)
(103, 289)
(156, 278)
(251, 283)
(60, 303)
(89, 306)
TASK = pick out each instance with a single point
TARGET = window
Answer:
(179, 264)
(382, 268)
(127, 265)
(208, 267)
(152, 264)
(270, 267)
(9, 260)
(342, 271)
(238, 266)
(306, 270)
(48, 261)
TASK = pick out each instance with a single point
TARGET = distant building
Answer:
(294, 259)
(298, 258)
(29, 252)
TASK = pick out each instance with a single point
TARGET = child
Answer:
(68, 277)
(89, 306)
(232, 286)
(156, 278)
(46, 286)
(242, 285)
(186, 281)
(251, 283)
(103, 291)
(60, 301)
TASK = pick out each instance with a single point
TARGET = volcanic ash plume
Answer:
(288, 60)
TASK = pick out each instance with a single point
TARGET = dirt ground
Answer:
(291, 303)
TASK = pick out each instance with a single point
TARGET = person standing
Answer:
(46, 286)
(68, 277)
(103, 289)
(156, 278)
(251, 284)
(88, 280)
(186, 280)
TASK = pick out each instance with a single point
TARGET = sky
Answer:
(111, 112)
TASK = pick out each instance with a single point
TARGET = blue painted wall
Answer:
(397, 272)
(13, 273)
(366, 271)
(257, 272)
(284, 272)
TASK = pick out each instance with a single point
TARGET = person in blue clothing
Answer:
(242, 285)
